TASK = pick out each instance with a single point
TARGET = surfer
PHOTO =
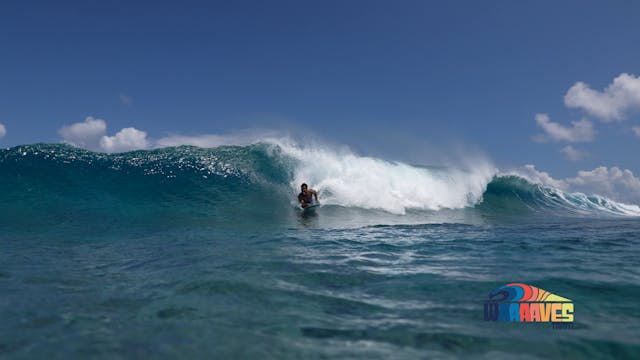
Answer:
(306, 196)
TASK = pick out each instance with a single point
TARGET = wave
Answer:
(55, 183)
(514, 193)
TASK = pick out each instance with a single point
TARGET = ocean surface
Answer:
(198, 253)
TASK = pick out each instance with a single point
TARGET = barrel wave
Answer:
(58, 185)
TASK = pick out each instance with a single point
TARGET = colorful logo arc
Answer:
(525, 303)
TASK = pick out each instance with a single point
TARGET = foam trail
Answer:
(346, 179)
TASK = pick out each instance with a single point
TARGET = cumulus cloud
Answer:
(636, 130)
(84, 134)
(615, 183)
(580, 131)
(3, 130)
(572, 154)
(532, 174)
(126, 139)
(91, 134)
(613, 103)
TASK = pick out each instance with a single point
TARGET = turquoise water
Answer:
(201, 253)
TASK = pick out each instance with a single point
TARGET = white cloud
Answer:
(126, 99)
(636, 129)
(84, 134)
(91, 134)
(619, 98)
(532, 174)
(614, 183)
(126, 139)
(572, 154)
(580, 131)
(3, 131)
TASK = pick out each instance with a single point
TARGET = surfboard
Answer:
(311, 208)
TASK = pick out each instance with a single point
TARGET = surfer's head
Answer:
(303, 187)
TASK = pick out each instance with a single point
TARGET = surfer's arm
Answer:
(315, 195)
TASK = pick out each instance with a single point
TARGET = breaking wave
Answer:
(52, 184)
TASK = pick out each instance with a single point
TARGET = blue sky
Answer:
(381, 76)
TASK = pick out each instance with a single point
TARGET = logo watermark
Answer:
(525, 303)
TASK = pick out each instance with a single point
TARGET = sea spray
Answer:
(346, 179)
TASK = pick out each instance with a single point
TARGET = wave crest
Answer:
(260, 182)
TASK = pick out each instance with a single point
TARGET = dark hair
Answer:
(304, 185)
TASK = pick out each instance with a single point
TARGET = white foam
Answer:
(347, 179)
(600, 203)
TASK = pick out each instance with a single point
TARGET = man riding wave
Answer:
(306, 196)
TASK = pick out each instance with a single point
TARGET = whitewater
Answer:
(191, 252)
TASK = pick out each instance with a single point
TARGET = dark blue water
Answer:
(157, 255)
